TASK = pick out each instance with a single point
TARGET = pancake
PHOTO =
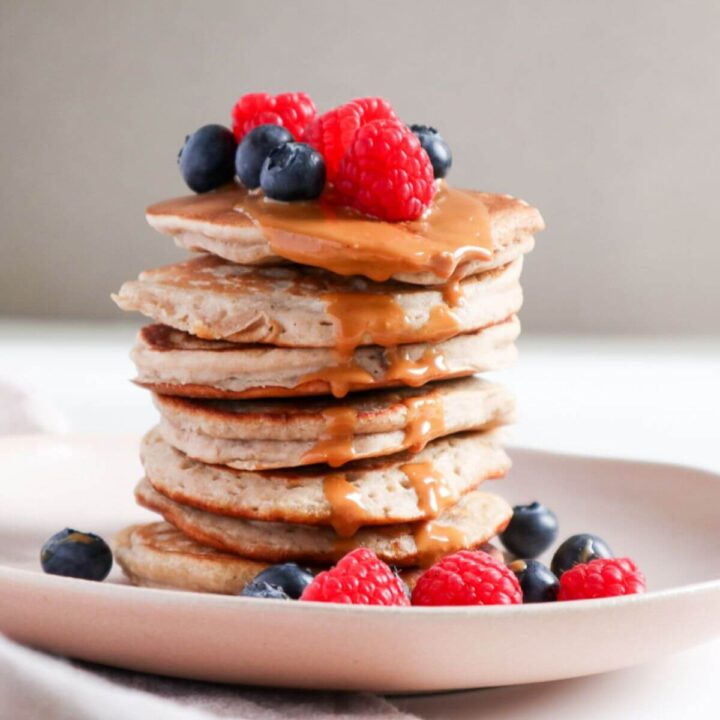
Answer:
(404, 487)
(175, 363)
(214, 299)
(261, 435)
(211, 222)
(474, 520)
(159, 555)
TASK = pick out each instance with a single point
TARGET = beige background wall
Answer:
(604, 114)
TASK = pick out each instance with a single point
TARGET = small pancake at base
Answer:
(158, 555)
(172, 362)
(261, 435)
(404, 487)
(474, 520)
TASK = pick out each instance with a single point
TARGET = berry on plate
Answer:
(332, 132)
(532, 530)
(436, 148)
(76, 554)
(207, 160)
(360, 578)
(293, 171)
(579, 549)
(293, 111)
(289, 577)
(603, 577)
(258, 589)
(468, 577)
(385, 173)
(253, 150)
(537, 582)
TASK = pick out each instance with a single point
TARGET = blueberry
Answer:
(436, 147)
(532, 530)
(207, 160)
(538, 583)
(253, 150)
(293, 171)
(579, 549)
(263, 590)
(288, 577)
(76, 554)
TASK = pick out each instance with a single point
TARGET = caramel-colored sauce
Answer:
(341, 378)
(335, 446)
(348, 513)
(425, 420)
(415, 373)
(455, 229)
(431, 489)
(433, 540)
(452, 293)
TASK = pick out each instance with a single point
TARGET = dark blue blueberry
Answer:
(436, 147)
(532, 530)
(288, 577)
(579, 549)
(253, 150)
(538, 583)
(207, 159)
(76, 554)
(263, 590)
(293, 171)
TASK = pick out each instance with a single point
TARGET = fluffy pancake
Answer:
(475, 519)
(159, 555)
(289, 306)
(261, 435)
(404, 487)
(212, 222)
(175, 363)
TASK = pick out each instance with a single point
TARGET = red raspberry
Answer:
(602, 577)
(386, 173)
(331, 133)
(468, 577)
(360, 578)
(293, 111)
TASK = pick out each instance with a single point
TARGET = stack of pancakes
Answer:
(316, 378)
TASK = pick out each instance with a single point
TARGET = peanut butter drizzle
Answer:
(456, 229)
(425, 420)
(335, 446)
(341, 378)
(366, 318)
(453, 293)
(431, 489)
(415, 372)
(347, 512)
(433, 540)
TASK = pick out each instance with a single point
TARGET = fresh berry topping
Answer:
(293, 171)
(537, 582)
(467, 577)
(259, 589)
(579, 549)
(253, 150)
(331, 133)
(603, 577)
(293, 111)
(76, 554)
(532, 530)
(360, 578)
(385, 173)
(207, 160)
(436, 148)
(288, 577)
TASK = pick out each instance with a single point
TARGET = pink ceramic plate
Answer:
(666, 517)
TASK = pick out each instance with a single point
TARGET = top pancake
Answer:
(216, 223)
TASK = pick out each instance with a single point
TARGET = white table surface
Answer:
(655, 399)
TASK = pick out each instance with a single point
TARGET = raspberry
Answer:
(331, 133)
(293, 111)
(386, 173)
(360, 578)
(468, 577)
(603, 577)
